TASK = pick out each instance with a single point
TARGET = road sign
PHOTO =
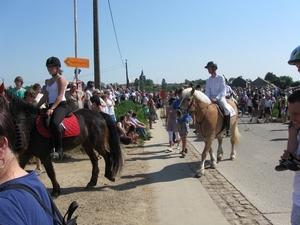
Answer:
(77, 62)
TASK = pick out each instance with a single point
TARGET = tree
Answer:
(230, 80)
(136, 83)
(272, 78)
(142, 85)
(149, 82)
(163, 84)
(186, 81)
(285, 81)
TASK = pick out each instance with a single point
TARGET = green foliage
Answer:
(296, 83)
(142, 85)
(164, 84)
(126, 105)
(149, 82)
(285, 81)
(271, 77)
(231, 79)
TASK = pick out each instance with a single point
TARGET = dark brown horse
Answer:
(97, 132)
(209, 124)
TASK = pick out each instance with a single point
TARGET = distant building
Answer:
(239, 82)
(142, 77)
(259, 82)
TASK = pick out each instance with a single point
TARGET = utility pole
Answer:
(97, 79)
(75, 29)
(127, 80)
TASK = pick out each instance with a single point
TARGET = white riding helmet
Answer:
(295, 56)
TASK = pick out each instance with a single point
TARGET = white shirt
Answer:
(296, 184)
(53, 92)
(109, 107)
(215, 87)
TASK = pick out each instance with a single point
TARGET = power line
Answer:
(112, 20)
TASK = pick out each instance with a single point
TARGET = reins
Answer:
(205, 112)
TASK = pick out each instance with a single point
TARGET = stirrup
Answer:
(57, 155)
(228, 133)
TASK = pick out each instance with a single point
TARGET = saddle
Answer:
(220, 109)
(70, 125)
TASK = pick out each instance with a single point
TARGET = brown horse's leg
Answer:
(51, 174)
(94, 160)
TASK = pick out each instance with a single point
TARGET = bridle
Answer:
(205, 112)
(21, 131)
(206, 106)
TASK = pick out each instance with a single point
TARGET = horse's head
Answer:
(186, 102)
(19, 109)
(22, 133)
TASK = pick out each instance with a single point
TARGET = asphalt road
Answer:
(252, 173)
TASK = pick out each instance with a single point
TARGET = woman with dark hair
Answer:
(17, 205)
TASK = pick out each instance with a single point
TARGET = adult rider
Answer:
(58, 107)
(216, 91)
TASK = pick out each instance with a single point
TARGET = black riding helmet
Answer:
(295, 56)
(211, 63)
(53, 61)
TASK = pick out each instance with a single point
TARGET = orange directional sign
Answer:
(77, 62)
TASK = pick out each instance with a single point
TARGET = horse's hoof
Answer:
(89, 186)
(55, 194)
(213, 166)
(233, 157)
(199, 174)
(219, 158)
(111, 178)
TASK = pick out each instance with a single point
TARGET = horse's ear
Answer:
(2, 89)
(193, 90)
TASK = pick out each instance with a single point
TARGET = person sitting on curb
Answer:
(139, 126)
(124, 138)
(130, 129)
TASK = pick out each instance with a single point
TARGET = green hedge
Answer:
(126, 105)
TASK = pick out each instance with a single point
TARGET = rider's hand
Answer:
(214, 100)
(49, 112)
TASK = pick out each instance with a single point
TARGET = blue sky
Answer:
(168, 39)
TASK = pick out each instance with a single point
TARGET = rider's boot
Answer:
(58, 154)
(227, 124)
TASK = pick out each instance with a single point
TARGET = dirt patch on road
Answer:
(129, 200)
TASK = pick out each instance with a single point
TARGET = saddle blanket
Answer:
(71, 124)
(231, 111)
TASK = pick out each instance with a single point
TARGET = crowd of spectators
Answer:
(261, 103)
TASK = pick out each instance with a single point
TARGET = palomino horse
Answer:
(209, 124)
(96, 132)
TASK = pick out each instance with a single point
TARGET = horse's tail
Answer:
(116, 154)
(236, 135)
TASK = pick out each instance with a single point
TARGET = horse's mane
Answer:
(19, 108)
(197, 94)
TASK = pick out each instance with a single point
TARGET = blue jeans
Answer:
(295, 216)
(142, 131)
